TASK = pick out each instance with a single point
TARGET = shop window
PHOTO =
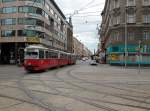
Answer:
(115, 49)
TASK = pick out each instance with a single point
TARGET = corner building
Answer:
(125, 31)
(25, 22)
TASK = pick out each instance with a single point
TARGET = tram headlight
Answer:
(25, 62)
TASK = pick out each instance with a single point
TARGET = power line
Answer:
(86, 15)
(94, 5)
(77, 11)
(89, 12)
(86, 5)
(86, 12)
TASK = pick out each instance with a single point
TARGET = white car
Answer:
(93, 62)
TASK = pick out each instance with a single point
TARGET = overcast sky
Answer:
(85, 19)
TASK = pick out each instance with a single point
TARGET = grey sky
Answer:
(85, 19)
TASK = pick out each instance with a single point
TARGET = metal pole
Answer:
(139, 71)
(125, 47)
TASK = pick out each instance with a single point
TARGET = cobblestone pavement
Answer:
(75, 88)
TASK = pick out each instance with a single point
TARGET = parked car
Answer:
(84, 58)
(93, 62)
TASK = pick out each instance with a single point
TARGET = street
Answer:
(79, 87)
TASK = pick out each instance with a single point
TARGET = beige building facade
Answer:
(125, 31)
(80, 49)
(25, 22)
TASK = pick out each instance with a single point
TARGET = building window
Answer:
(29, 33)
(47, 6)
(116, 20)
(28, 9)
(8, 0)
(130, 2)
(8, 33)
(46, 16)
(116, 4)
(9, 10)
(146, 35)
(52, 11)
(146, 18)
(37, 1)
(146, 2)
(11, 21)
(130, 18)
(130, 36)
(115, 36)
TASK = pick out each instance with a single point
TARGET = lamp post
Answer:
(0, 52)
(139, 57)
(125, 47)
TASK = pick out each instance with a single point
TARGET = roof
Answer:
(61, 13)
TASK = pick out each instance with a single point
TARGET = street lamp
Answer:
(125, 47)
(139, 54)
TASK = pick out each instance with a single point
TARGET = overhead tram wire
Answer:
(86, 12)
(86, 15)
(76, 11)
(86, 5)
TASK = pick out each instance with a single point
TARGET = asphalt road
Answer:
(80, 87)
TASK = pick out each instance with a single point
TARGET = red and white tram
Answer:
(39, 58)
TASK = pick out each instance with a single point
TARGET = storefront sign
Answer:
(33, 39)
(114, 57)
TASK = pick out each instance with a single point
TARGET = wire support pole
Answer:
(125, 49)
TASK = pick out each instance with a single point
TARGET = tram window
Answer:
(61, 55)
(54, 55)
(41, 54)
(31, 55)
(47, 55)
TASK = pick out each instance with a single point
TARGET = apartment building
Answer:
(80, 49)
(70, 36)
(25, 22)
(125, 31)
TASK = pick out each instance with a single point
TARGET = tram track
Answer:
(126, 97)
(80, 99)
(31, 93)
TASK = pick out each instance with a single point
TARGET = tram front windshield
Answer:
(31, 54)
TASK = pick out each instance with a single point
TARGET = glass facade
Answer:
(8, 33)
(37, 1)
(7, 1)
(9, 10)
(29, 33)
(10, 21)
(30, 21)
(29, 9)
